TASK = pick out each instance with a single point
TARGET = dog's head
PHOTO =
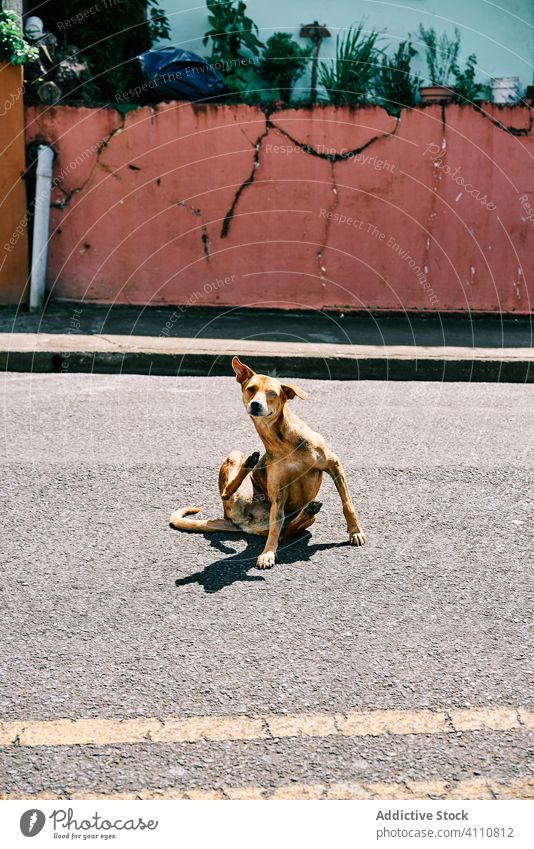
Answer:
(263, 395)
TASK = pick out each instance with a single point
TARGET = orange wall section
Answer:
(323, 208)
(13, 212)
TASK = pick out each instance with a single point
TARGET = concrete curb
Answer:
(32, 352)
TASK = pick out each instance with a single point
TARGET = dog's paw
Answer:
(357, 539)
(265, 560)
(313, 508)
(252, 460)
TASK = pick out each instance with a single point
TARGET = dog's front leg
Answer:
(335, 470)
(276, 520)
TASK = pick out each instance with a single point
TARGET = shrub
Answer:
(396, 86)
(110, 39)
(13, 46)
(350, 77)
(282, 63)
(235, 45)
(467, 90)
(441, 54)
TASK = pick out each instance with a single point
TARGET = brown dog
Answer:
(273, 495)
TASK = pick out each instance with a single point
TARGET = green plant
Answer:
(467, 90)
(441, 54)
(283, 62)
(396, 86)
(112, 37)
(350, 77)
(232, 32)
(13, 46)
(234, 48)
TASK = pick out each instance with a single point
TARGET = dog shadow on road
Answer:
(229, 570)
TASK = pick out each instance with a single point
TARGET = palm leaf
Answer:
(350, 76)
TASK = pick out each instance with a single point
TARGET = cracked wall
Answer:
(312, 208)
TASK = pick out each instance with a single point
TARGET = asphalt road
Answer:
(110, 614)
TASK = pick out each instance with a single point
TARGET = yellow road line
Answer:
(475, 788)
(375, 723)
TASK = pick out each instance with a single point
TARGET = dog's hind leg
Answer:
(236, 491)
(180, 520)
(233, 472)
(302, 520)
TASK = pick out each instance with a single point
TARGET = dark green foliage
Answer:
(441, 54)
(234, 47)
(232, 32)
(109, 40)
(283, 62)
(396, 86)
(13, 46)
(467, 90)
(350, 77)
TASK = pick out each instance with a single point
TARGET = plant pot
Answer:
(436, 94)
(505, 89)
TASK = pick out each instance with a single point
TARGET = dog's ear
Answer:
(290, 390)
(242, 372)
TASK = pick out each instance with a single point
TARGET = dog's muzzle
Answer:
(257, 409)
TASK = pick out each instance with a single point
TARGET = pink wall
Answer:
(218, 205)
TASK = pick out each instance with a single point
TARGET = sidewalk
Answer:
(170, 341)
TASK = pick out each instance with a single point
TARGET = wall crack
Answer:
(435, 194)
(248, 182)
(328, 218)
(330, 157)
(100, 147)
(203, 228)
(513, 131)
(338, 157)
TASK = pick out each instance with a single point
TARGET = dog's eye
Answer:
(251, 388)
(271, 394)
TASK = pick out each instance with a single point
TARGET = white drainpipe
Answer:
(43, 188)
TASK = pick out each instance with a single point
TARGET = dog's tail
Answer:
(179, 521)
